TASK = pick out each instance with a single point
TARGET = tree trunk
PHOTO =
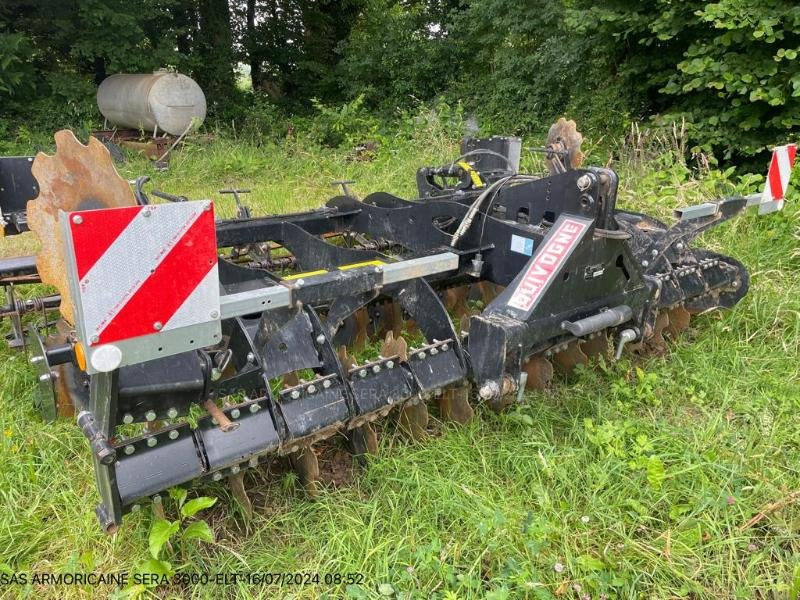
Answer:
(99, 68)
(253, 54)
(216, 49)
(184, 17)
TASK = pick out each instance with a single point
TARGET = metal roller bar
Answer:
(708, 209)
(419, 267)
(259, 300)
(254, 301)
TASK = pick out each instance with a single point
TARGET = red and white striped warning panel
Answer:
(780, 170)
(143, 271)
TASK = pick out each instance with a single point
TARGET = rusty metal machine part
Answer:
(563, 138)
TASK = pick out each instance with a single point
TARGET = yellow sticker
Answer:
(473, 174)
(368, 263)
(306, 274)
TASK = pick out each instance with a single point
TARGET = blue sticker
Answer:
(521, 245)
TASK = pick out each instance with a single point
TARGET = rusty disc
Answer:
(76, 177)
(414, 419)
(567, 359)
(564, 137)
(455, 299)
(236, 484)
(540, 372)
(364, 439)
(679, 319)
(489, 291)
(306, 465)
(395, 346)
(348, 362)
(360, 318)
(454, 404)
(597, 346)
(386, 316)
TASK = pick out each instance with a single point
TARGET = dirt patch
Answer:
(337, 467)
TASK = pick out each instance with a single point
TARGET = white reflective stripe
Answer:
(203, 299)
(130, 260)
(784, 167)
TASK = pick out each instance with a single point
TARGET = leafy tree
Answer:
(729, 67)
(397, 52)
(739, 81)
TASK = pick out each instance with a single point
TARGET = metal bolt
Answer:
(362, 373)
(645, 263)
(36, 359)
(150, 415)
(207, 206)
(129, 449)
(235, 469)
(445, 347)
(214, 314)
(295, 394)
(320, 339)
(146, 212)
(251, 358)
(390, 364)
(158, 325)
(255, 407)
(584, 182)
(654, 252)
(216, 476)
(679, 246)
(172, 412)
(434, 352)
(127, 419)
(173, 435)
(735, 284)
(421, 354)
(312, 389)
(235, 413)
(45, 377)
(77, 219)
(94, 339)
(326, 384)
(152, 441)
(299, 283)
(376, 368)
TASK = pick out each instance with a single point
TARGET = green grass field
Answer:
(630, 480)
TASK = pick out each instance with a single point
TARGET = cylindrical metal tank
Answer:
(164, 99)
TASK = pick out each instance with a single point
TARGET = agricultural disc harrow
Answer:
(189, 348)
